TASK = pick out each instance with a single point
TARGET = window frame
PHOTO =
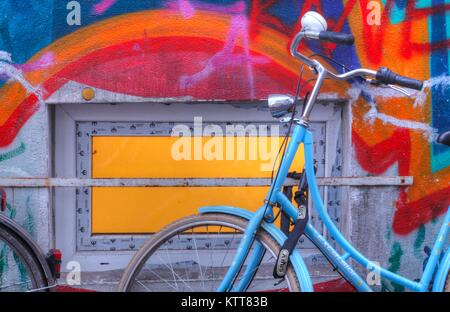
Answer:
(334, 112)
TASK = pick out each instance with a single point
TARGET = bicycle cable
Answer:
(284, 143)
(297, 92)
(330, 59)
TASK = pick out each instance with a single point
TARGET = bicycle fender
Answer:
(27, 240)
(441, 274)
(296, 259)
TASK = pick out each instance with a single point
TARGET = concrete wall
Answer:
(238, 50)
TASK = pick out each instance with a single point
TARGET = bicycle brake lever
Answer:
(374, 82)
(401, 90)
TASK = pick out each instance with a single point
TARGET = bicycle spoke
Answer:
(175, 273)
(198, 261)
(171, 267)
(143, 285)
(211, 257)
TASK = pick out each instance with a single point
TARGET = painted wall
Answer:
(238, 50)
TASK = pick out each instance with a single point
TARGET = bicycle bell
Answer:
(313, 21)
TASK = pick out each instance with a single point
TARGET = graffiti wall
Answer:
(238, 50)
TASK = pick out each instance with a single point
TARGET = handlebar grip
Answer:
(386, 76)
(337, 37)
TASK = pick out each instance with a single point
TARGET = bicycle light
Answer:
(280, 105)
(313, 21)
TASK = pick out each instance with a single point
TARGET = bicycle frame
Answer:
(264, 218)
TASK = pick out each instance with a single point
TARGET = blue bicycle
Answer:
(232, 249)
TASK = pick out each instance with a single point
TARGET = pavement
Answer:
(337, 285)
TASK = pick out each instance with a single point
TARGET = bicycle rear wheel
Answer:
(193, 254)
(20, 271)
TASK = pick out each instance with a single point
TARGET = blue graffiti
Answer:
(440, 101)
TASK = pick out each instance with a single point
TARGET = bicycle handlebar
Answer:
(337, 37)
(386, 76)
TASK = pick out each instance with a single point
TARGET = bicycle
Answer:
(244, 244)
(23, 266)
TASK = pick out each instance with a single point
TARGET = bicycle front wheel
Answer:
(193, 254)
(20, 271)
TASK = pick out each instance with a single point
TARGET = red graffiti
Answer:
(410, 216)
(374, 34)
(377, 158)
(99, 69)
(140, 64)
(259, 14)
(17, 119)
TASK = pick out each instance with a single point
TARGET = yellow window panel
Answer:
(146, 210)
(153, 157)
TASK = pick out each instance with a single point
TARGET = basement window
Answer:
(134, 141)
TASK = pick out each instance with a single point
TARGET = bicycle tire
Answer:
(27, 257)
(215, 219)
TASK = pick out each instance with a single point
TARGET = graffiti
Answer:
(14, 153)
(238, 30)
(420, 238)
(103, 6)
(12, 266)
(238, 50)
(411, 215)
(429, 132)
(394, 266)
(427, 250)
(7, 69)
(405, 15)
(43, 62)
(13, 73)
(377, 158)
(374, 113)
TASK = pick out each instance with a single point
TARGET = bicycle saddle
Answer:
(444, 138)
